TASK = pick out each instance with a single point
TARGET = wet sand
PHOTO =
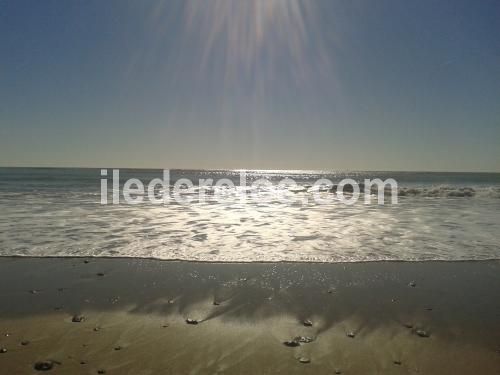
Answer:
(367, 318)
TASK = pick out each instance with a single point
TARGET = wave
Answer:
(427, 191)
(449, 192)
(405, 191)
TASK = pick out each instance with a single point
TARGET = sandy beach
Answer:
(129, 316)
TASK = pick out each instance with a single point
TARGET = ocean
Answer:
(48, 212)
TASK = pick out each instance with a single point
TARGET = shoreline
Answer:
(432, 317)
(262, 262)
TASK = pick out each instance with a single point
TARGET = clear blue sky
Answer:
(269, 84)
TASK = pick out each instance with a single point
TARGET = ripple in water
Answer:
(62, 216)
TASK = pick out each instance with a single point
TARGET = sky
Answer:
(257, 84)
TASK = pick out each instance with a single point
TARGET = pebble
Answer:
(216, 303)
(351, 334)
(96, 329)
(83, 362)
(304, 339)
(398, 363)
(86, 261)
(291, 343)
(118, 348)
(408, 325)
(413, 284)
(100, 274)
(78, 318)
(44, 365)
(308, 323)
(191, 321)
(3, 350)
(296, 341)
(338, 372)
(114, 300)
(25, 342)
(422, 333)
(101, 371)
(304, 360)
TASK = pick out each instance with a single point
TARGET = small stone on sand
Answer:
(308, 323)
(304, 339)
(100, 274)
(296, 341)
(338, 372)
(25, 342)
(118, 348)
(3, 350)
(191, 321)
(78, 318)
(413, 284)
(304, 360)
(101, 371)
(44, 365)
(398, 363)
(422, 333)
(114, 300)
(291, 343)
(351, 334)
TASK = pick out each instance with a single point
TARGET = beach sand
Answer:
(134, 317)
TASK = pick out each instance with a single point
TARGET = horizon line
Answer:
(251, 169)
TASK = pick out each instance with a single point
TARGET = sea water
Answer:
(438, 216)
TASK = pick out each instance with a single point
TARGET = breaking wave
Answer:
(449, 192)
(438, 217)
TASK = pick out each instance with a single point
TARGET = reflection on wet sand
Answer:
(136, 316)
